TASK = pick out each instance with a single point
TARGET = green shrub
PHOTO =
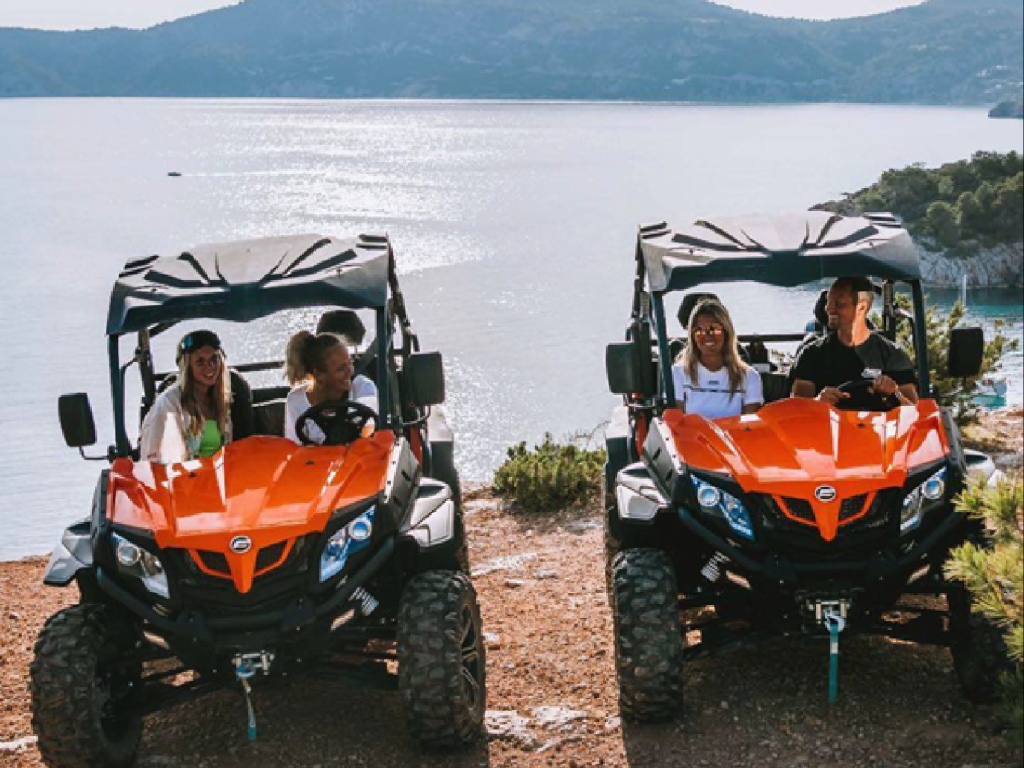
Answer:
(955, 393)
(994, 575)
(551, 476)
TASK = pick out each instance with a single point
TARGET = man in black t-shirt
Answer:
(853, 352)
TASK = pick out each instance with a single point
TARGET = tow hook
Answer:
(247, 665)
(832, 614)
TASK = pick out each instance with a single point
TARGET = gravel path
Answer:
(552, 699)
(552, 689)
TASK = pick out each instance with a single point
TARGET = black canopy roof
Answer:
(244, 280)
(782, 249)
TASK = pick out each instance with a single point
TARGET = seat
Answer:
(268, 418)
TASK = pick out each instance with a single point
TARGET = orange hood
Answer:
(266, 488)
(792, 446)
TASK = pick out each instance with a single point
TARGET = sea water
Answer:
(514, 226)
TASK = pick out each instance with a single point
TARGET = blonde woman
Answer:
(191, 418)
(319, 368)
(710, 377)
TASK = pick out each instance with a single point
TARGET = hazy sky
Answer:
(85, 14)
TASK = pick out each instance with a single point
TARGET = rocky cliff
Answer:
(998, 267)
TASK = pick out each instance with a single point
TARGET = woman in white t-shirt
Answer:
(319, 368)
(710, 377)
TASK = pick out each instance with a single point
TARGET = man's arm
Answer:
(803, 388)
(905, 393)
(830, 395)
(909, 393)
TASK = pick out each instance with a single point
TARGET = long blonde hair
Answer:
(221, 391)
(734, 364)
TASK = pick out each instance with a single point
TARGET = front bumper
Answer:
(788, 573)
(257, 628)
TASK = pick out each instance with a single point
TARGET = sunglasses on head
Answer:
(197, 340)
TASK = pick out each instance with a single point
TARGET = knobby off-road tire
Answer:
(648, 640)
(441, 673)
(78, 683)
(611, 549)
(462, 555)
(978, 648)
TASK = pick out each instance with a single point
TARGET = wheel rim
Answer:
(471, 661)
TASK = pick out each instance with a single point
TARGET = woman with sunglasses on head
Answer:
(710, 377)
(191, 418)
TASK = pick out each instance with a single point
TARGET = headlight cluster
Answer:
(714, 501)
(133, 560)
(929, 493)
(348, 540)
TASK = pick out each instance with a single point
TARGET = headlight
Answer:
(714, 501)
(921, 499)
(348, 540)
(133, 560)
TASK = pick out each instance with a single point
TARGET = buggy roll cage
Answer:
(149, 298)
(784, 250)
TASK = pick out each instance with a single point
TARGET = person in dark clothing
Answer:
(344, 323)
(852, 352)
(243, 419)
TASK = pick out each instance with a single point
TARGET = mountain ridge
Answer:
(941, 52)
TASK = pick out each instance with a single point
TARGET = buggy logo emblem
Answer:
(825, 493)
(240, 545)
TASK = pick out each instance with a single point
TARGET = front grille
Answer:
(874, 530)
(800, 508)
(851, 507)
(217, 596)
(269, 556)
(266, 558)
(214, 561)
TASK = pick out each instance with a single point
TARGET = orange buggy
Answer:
(801, 518)
(268, 558)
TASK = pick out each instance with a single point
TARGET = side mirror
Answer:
(76, 420)
(966, 352)
(628, 369)
(424, 379)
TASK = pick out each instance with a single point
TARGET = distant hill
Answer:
(942, 52)
(1009, 108)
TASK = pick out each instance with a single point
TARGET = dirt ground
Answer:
(552, 688)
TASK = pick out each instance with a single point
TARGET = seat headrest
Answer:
(689, 303)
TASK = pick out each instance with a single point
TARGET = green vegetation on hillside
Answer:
(992, 572)
(956, 207)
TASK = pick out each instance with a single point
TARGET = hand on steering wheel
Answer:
(341, 421)
(861, 389)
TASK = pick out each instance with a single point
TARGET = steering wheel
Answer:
(341, 421)
(860, 393)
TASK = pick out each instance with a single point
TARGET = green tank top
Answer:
(211, 439)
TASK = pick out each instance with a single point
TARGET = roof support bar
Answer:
(920, 340)
(664, 356)
(121, 445)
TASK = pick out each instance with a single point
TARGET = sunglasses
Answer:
(708, 330)
(198, 339)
